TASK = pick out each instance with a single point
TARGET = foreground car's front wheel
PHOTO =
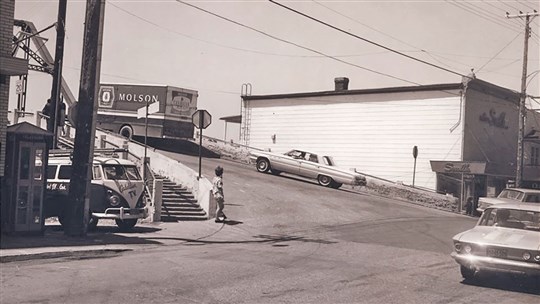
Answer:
(467, 273)
(263, 165)
(325, 181)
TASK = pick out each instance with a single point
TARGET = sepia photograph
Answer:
(269, 151)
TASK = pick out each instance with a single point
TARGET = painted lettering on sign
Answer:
(57, 186)
(462, 168)
(146, 98)
(493, 119)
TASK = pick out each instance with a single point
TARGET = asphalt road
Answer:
(288, 241)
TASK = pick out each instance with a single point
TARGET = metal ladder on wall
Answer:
(245, 112)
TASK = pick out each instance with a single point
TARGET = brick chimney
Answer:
(342, 83)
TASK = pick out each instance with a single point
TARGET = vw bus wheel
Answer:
(263, 165)
(324, 180)
(126, 224)
(126, 131)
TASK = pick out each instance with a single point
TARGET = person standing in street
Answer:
(217, 191)
(469, 206)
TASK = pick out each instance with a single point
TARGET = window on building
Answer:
(535, 156)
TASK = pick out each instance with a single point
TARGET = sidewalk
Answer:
(105, 239)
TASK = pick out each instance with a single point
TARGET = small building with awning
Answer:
(235, 119)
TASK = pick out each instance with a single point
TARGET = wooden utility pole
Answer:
(523, 96)
(83, 151)
(52, 125)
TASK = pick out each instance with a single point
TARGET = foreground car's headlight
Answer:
(537, 258)
(467, 248)
(526, 256)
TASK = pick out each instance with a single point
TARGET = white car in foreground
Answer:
(505, 239)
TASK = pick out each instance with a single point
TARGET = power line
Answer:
(366, 40)
(498, 52)
(194, 38)
(525, 4)
(370, 27)
(293, 43)
(387, 35)
(228, 46)
(508, 5)
(473, 11)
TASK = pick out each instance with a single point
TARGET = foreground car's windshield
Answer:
(511, 218)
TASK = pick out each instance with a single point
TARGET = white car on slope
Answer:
(307, 164)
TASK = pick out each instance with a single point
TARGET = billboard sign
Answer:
(130, 97)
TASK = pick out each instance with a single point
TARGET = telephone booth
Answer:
(27, 149)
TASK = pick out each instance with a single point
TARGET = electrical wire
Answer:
(366, 40)
(464, 7)
(293, 43)
(429, 53)
(525, 4)
(499, 52)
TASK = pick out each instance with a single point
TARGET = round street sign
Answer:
(201, 119)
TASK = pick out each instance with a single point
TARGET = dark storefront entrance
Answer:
(464, 179)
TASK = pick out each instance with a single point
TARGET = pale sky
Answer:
(278, 51)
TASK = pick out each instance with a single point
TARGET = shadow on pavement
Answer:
(54, 237)
(274, 240)
(232, 222)
(508, 282)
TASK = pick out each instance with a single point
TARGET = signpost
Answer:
(415, 155)
(144, 112)
(201, 119)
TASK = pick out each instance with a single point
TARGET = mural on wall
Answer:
(491, 128)
(493, 119)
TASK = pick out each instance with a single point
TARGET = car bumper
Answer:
(496, 264)
(122, 213)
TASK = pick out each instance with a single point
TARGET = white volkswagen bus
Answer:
(117, 191)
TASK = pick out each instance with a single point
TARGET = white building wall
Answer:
(376, 135)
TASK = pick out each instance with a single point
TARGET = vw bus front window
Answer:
(132, 173)
(114, 172)
(51, 171)
(65, 172)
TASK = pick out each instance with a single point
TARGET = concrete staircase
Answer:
(179, 204)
